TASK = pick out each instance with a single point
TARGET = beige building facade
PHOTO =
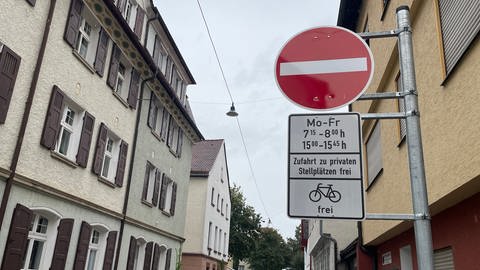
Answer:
(446, 51)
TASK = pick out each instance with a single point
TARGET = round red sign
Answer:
(324, 68)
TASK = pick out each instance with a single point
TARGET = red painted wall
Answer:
(457, 227)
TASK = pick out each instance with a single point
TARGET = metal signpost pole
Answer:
(423, 234)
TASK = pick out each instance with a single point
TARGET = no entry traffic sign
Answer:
(324, 68)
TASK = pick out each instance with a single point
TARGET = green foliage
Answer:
(271, 251)
(296, 259)
(244, 227)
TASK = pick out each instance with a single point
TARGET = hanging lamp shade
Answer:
(232, 111)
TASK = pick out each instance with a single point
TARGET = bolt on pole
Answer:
(423, 233)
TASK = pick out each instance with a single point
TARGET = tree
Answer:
(296, 259)
(244, 227)
(271, 251)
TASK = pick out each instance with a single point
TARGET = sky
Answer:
(248, 36)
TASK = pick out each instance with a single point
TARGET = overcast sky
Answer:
(248, 36)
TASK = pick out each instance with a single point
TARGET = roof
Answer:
(204, 154)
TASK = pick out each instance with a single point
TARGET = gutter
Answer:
(148, 58)
(26, 113)
(130, 169)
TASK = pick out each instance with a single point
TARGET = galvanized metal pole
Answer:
(423, 233)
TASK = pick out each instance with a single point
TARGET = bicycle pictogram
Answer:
(327, 191)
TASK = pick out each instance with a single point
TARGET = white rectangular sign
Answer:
(325, 166)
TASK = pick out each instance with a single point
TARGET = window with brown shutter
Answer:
(139, 22)
(168, 258)
(74, 20)
(122, 161)
(114, 65)
(101, 55)
(52, 121)
(17, 239)
(174, 199)
(110, 250)
(100, 149)
(132, 253)
(133, 91)
(60, 252)
(165, 124)
(9, 64)
(156, 187)
(82, 246)
(147, 263)
(85, 140)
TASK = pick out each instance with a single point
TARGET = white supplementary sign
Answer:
(323, 66)
(325, 166)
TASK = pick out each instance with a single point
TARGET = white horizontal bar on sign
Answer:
(323, 66)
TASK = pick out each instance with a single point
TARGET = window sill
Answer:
(149, 204)
(173, 152)
(120, 98)
(63, 158)
(84, 62)
(157, 135)
(106, 181)
(166, 213)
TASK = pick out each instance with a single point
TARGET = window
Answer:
(168, 196)
(401, 108)
(149, 184)
(222, 207)
(406, 258)
(225, 244)
(110, 157)
(37, 242)
(9, 65)
(219, 241)
(122, 78)
(86, 42)
(459, 26)
(158, 119)
(374, 154)
(212, 196)
(68, 129)
(173, 136)
(215, 240)
(209, 246)
(139, 254)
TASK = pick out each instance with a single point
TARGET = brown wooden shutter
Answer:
(132, 253)
(180, 142)
(122, 162)
(156, 257)
(60, 252)
(133, 92)
(85, 140)
(73, 22)
(145, 182)
(53, 118)
(147, 263)
(152, 114)
(165, 124)
(156, 187)
(114, 63)
(168, 258)
(110, 250)
(171, 131)
(101, 55)
(139, 22)
(9, 64)
(17, 239)
(163, 192)
(100, 149)
(174, 199)
(82, 246)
